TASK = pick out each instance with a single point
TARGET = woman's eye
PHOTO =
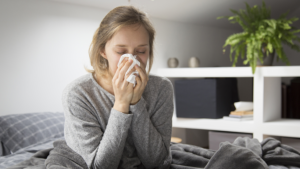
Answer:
(121, 53)
(141, 52)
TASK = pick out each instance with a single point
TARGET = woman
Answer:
(110, 123)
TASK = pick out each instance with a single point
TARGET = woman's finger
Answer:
(138, 81)
(124, 69)
(116, 76)
(145, 72)
(142, 74)
(143, 68)
(129, 73)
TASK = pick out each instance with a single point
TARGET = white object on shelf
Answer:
(266, 95)
(237, 119)
(243, 106)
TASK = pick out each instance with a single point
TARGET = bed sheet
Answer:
(26, 153)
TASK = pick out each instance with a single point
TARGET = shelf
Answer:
(279, 71)
(205, 72)
(266, 98)
(271, 71)
(214, 124)
(282, 127)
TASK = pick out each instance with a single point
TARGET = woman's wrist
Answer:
(124, 108)
(134, 103)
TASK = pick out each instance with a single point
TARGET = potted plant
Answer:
(262, 36)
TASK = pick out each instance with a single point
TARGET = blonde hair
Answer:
(113, 21)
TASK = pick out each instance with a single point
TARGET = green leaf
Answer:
(295, 47)
(286, 26)
(293, 19)
(254, 60)
(271, 22)
(270, 31)
(270, 47)
(237, 52)
(232, 17)
(295, 31)
(283, 15)
(243, 50)
(234, 42)
(230, 54)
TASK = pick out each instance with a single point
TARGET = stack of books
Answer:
(243, 112)
(239, 116)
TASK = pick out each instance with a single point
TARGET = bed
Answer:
(22, 135)
(36, 140)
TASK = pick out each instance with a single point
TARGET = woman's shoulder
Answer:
(78, 85)
(160, 83)
(159, 91)
(159, 79)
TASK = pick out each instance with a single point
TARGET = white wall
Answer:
(184, 41)
(44, 45)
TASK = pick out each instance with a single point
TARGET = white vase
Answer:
(172, 62)
(194, 62)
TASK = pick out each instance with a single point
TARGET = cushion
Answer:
(3, 150)
(21, 130)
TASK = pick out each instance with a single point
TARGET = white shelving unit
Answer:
(266, 98)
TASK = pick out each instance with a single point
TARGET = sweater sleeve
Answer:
(152, 135)
(99, 149)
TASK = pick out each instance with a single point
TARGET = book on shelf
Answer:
(249, 112)
(237, 119)
(241, 116)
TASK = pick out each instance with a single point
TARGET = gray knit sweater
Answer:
(107, 138)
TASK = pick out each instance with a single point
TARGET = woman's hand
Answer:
(123, 90)
(141, 84)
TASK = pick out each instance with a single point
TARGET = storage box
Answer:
(215, 138)
(205, 98)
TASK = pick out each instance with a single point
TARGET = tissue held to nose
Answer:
(131, 78)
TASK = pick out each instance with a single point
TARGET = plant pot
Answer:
(268, 59)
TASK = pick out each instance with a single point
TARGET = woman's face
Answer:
(133, 39)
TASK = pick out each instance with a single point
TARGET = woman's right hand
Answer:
(123, 90)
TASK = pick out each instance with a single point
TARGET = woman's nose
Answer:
(132, 51)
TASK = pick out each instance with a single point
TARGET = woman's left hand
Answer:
(141, 83)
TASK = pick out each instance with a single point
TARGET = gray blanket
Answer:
(243, 153)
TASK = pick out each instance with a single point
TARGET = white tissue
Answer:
(131, 78)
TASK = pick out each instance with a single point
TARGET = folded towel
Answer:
(131, 78)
